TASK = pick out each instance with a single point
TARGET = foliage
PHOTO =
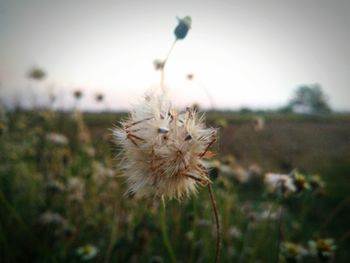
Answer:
(61, 200)
(309, 99)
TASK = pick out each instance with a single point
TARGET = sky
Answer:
(241, 53)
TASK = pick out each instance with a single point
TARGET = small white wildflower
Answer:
(54, 186)
(280, 183)
(87, 252)
(49, 217)
(102, 171)
(76, 189)
(163, 149)
(235, 232)
(292, 252)
(57, 138)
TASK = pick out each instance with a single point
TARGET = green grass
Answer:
(36, 178)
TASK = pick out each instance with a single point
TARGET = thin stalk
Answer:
(194, 231)
(165, 234)
(344, 237)
(217, 222)
(279, 234)
(210, 97)
(113, 236)
(241, 254)
(164, 63)
(331, 216)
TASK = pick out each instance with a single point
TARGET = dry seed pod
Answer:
(162, 149)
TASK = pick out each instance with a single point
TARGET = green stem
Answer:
(218, 231)
(338, 208)
(113, 236)
(165, 234)
(279, 234)
(12, 212)
(241, 254)
(194, 231)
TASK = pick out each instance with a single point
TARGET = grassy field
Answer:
(61, 199)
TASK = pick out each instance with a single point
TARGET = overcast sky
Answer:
(244, 53)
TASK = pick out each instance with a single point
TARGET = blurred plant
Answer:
(323, 249)
(280, 183)
(291, 252)
(99, 97)
(300, 181)
(36, 73)
(78, 94)
(76, 189)
(57, 138)
(316, 182)
(87, 252)
(181, 30)
(259, 123)
(54, 187)
(221, 123)
(56, 223)
(158, 64)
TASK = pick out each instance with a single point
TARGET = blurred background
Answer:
(272, 75)
(252, 54)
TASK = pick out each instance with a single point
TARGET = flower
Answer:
(316, 182)
(158, 64)
(99, 97)
(51, 218)
(87, 252)
(57, 138)
(323, 248)
(36, 73)
(182, 28)
(101, 171)
(300, 181)
(190, 76)
(292, 252)
(78, 94)
(76, 189)
(163, 149)
(56, 224)
(279, 183)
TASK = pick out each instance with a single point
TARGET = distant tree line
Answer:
(308, 99)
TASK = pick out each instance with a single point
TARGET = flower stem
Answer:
(279, 234)
(165, 234)
(164, 63)
(113, 236)
(217, 222)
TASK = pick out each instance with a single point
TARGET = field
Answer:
(61, 199)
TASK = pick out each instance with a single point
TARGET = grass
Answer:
(56, 198)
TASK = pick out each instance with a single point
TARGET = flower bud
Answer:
(182, 28)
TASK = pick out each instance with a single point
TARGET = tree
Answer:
(309, 99)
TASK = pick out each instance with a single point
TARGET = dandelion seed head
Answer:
(163, 149)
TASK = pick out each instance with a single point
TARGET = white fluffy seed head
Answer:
(162, 149)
